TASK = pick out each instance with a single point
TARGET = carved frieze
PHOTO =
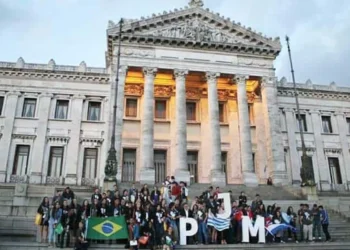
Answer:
(23, 137)
(133, 52)
(133, 90)
(332, 151)
(193, 93)
(163, 91)
(247, 61)
(57, 139)
(223, 94)
(251, 97)
(196, 30)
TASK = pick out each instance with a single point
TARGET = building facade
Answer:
(197, 97)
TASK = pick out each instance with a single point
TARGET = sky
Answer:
(71, 31)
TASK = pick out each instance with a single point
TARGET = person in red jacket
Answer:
(175, 191)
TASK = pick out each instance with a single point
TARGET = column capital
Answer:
(180, 74)
(15, 93)
(149, 71)
(241, 79)
(212, 76)
(123, 70)
(268, 81)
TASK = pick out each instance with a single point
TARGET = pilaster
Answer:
(74, 145)
(217, 175)
(245, 133)
(321, 165)
(293, 153)
(343, 133)
(120, 117)
(274, 144)
(147, 174)
(9, 113)
(36, 172)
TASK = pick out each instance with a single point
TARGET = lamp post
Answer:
(111, 167)
(306, 171)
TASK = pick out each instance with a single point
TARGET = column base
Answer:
(310, 193)
(35, 178)
(119, 175)
(183, 175)
(218, 178)
(148, 176)
(71, 179)
(279, 178)
(250, 179)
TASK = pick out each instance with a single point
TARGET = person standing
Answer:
(316, 223)
(324, 222)
(307, 223)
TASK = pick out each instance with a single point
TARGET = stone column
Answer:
(181, 172)
(274, 143)
(294, 156)
(217, 175)
(120, 118)
(147, 174)
(343, 133)
(9, 112)
(40, 141)
(74, 141)
(248, 170)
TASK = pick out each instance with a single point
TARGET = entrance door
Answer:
(129, 165)
(192, 163)
(160, 165)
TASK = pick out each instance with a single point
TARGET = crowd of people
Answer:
(155, 214)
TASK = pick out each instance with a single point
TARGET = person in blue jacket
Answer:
(55, 218)
(324, 222)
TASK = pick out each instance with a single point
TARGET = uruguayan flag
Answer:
(218, 223)
(275, 228)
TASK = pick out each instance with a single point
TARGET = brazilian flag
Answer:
(111, 228)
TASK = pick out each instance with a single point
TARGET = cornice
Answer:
(314, 94)
(98, 141)
(57, 139)
(23, 136)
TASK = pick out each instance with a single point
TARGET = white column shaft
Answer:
(244, 126)
(181, 121)
(147, 132)
(214, 122)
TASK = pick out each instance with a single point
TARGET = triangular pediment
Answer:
(194, 26)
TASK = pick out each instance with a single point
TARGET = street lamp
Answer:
(306, 171)
(111, 167)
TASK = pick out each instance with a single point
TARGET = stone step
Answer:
(15, 245)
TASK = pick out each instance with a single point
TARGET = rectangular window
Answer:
(90, 163)
(160, 109)
(55, 162)
(1, 105)
(348, 123)
(224, 161)
(131, 108)
(160, 165)
(129, 165)
(191, 111)
(334, 170)
(94, 111)
(21, 160)
(251, 114)
(326, 124)
(303, 126)
(222, 116)
(192, 164)
(29, 107)
(61, 111)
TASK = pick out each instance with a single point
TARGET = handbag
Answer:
(143, 240)
(133, 243)
(59, 228)
(38, 219)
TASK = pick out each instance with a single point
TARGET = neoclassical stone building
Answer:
(197, 98)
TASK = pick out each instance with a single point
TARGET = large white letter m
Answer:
(247, 227)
